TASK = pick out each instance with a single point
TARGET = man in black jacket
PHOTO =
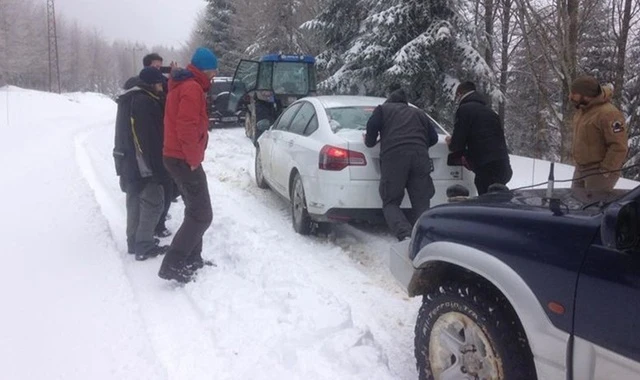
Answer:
(479, 137)
(138, 159)
(170, 188)
(406, 133)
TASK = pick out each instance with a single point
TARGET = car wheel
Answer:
(302, 222)
(260, 181)
(463, 332)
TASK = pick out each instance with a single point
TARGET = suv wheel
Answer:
(463, 331)
(302, 222)
(260, 181)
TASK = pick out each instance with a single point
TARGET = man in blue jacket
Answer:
(406, 133)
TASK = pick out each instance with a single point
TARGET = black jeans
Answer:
(409, 169)
(493, 172)
(187, 242)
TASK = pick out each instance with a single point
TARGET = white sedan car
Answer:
(314, 156)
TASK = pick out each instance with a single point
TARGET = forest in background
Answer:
(523, 54)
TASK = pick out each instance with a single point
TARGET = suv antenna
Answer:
(550, 183)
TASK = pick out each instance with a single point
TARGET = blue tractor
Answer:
(269, 86)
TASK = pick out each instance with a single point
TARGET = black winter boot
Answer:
(175, 269)
(131, 247)
(196, 262)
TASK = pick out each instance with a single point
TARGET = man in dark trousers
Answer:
(138, 159)
(406, 133)
(479, 137)
(170, 189)
(186, 137)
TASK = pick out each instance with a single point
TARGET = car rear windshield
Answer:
(349, 117)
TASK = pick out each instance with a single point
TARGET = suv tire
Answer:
(465, 330)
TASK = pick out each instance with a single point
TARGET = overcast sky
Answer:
(152, 22)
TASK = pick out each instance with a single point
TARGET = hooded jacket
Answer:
(399, 125)
(185, 120)
(139, 133)
(477, 132)
(599, 135)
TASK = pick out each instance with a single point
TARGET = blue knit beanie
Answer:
(204, 59)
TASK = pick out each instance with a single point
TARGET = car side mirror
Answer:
(619, 229)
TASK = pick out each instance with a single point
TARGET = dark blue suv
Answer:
(518, 285)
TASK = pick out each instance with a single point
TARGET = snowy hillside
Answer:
(277, 306)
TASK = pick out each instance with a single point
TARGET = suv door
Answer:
(245, 79)
(607, 314)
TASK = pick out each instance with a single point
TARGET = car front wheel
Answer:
(260, 181)
(302, 222)
(463, 331)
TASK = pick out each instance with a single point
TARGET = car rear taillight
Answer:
(334, 158)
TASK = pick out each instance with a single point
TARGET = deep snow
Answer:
(277, 306)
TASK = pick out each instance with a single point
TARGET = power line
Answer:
(54, 68)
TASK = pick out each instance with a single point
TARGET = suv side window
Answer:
(285, 119)
(300, 122)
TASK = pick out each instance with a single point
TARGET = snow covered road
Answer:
(277, 306)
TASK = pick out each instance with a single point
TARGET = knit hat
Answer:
(151, 75)
(586, 85)
(204, 59)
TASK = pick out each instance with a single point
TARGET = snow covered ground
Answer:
(277, 306)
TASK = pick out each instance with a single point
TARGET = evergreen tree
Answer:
(217, 33)
(338, 25)
(422, 45)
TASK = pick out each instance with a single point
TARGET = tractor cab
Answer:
(270, 85)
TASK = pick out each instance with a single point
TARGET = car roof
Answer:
(287, 58)
(336, 101)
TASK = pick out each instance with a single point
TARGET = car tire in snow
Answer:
(260, 181)
(466, 331)
(302, 222)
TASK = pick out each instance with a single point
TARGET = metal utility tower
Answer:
(54, 68)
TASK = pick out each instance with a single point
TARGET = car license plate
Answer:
(229, 118)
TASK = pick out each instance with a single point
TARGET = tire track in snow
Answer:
(230, 169)
(181, 340)
(366, 245)
(275, 311)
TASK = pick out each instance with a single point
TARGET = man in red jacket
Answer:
(185, 139)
